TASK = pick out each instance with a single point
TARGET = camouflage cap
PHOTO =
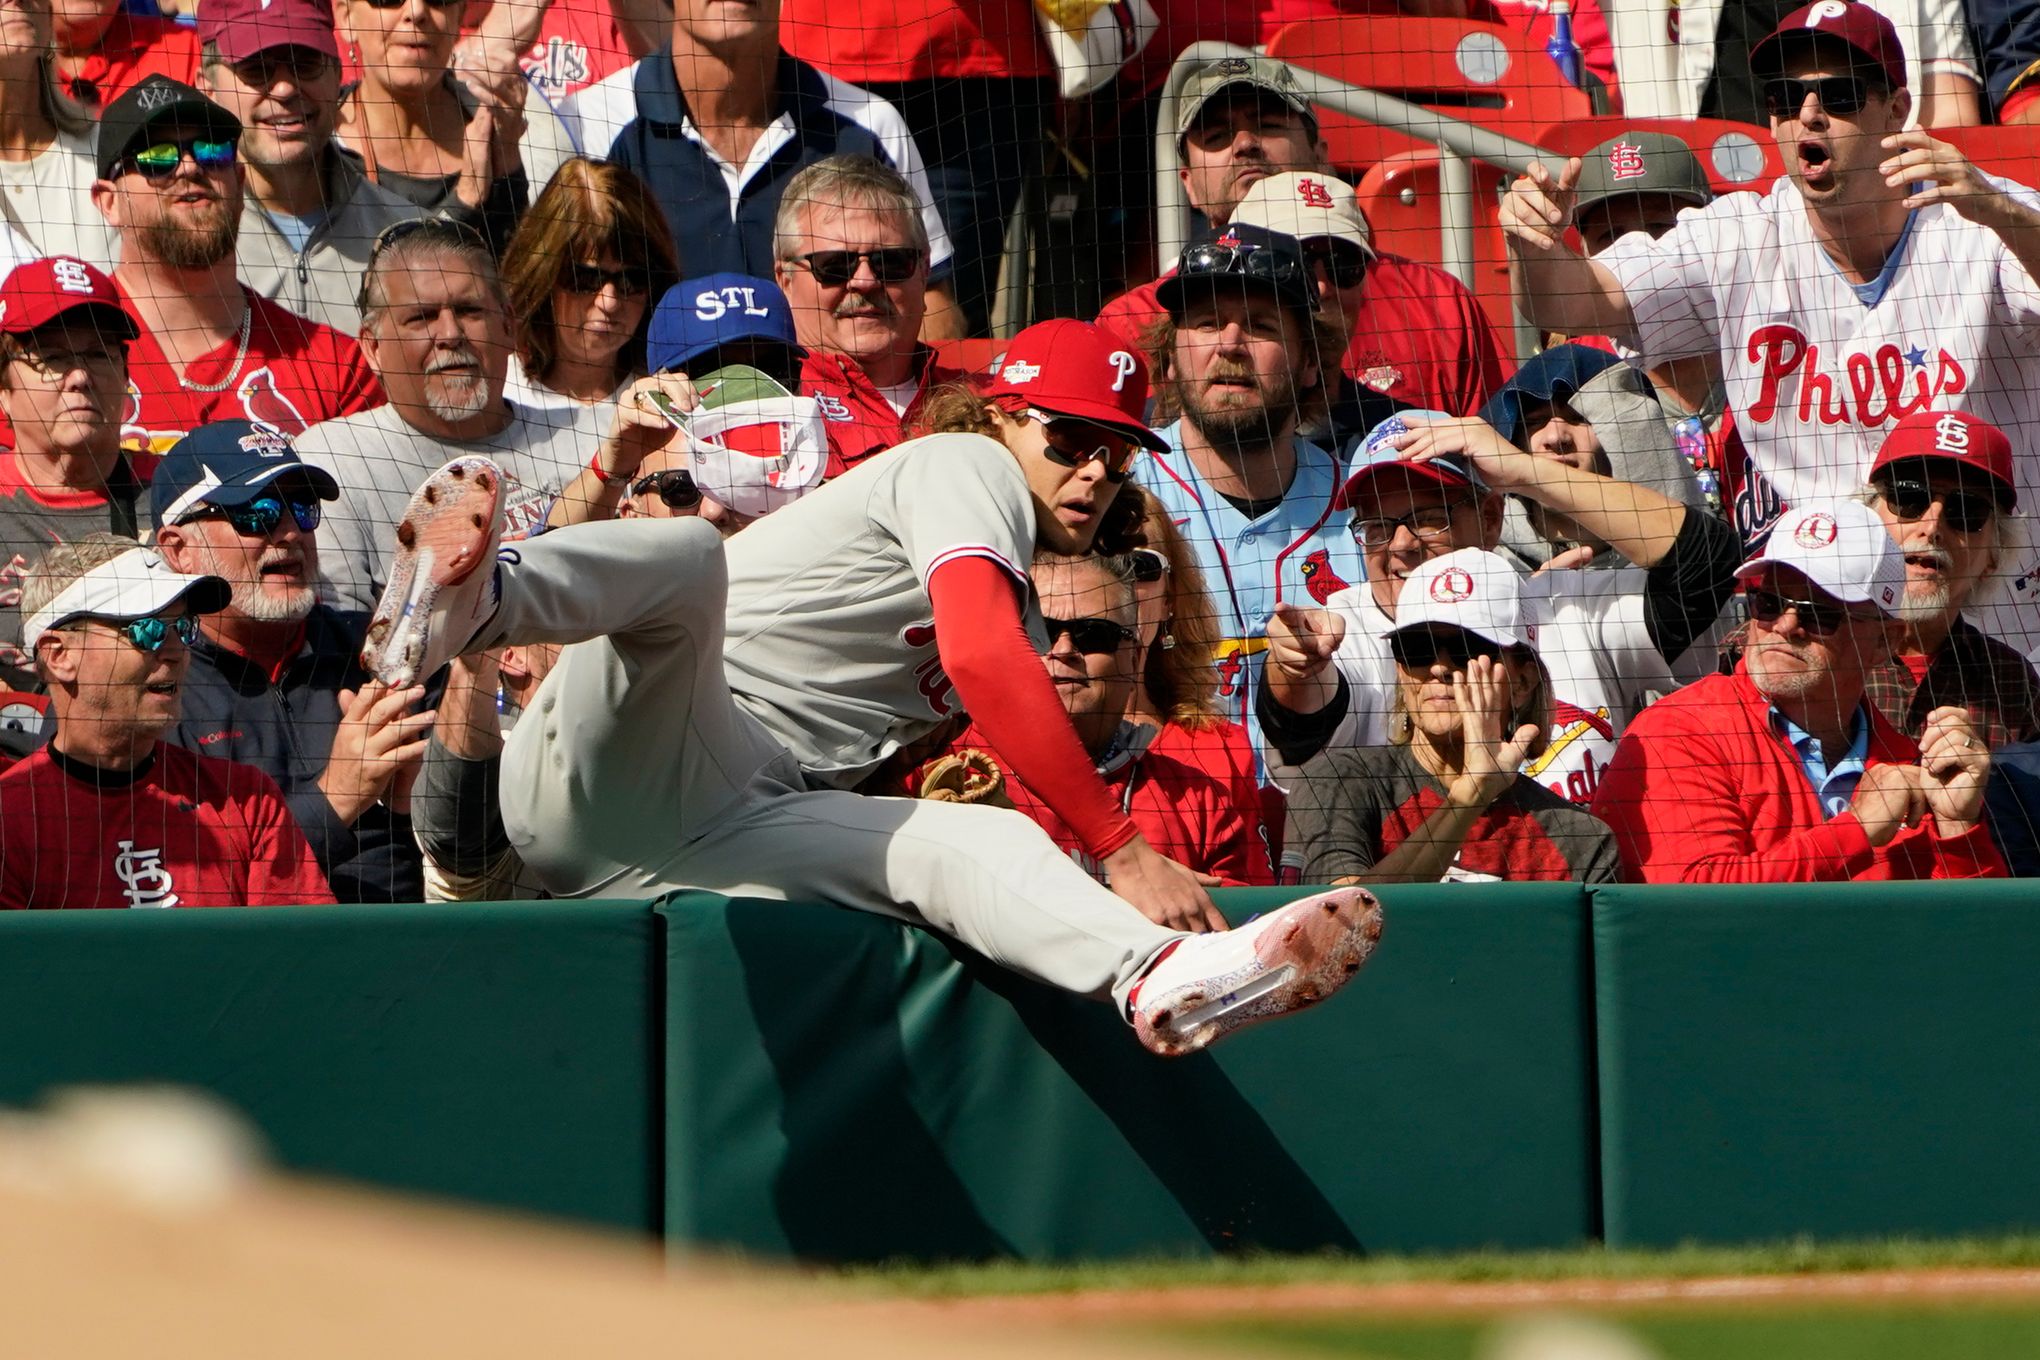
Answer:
(1260, 73)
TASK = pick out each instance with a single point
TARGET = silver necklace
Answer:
(240, 357)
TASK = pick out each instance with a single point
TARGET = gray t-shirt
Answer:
(379, 460)
(831, 639)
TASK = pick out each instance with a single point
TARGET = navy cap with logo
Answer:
(1241, 256)
(129, 122)
(703, 314)
(227, 463)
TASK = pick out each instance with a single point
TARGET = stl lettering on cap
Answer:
(70, 275)
(1625, 161)
(1951, 434)
(1313, 194)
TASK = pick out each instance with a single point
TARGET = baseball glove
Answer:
(968, 775)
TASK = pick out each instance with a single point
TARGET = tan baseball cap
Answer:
(1306, 204)
(1260, 73)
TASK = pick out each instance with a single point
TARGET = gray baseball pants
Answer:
(635, 772)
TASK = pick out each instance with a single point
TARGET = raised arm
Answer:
(1557, 288)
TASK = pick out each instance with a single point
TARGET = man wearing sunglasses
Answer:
(1784, 772)
(210, 348)
(310, 215)
(275, 682)
(1943, 485)
(109, 814)
(1884, 275)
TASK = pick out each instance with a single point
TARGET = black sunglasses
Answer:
(399, 4)
(1344, 264)
(160, 162)
(589, 279)
(675, 487)
(1092, 637)
(834, 268)
(1419, 649)
(1215, 258)
(1962, 510)
(1074, 443)
(259, 517)
(1818, 619)
(1837, 94)
(1149, 566)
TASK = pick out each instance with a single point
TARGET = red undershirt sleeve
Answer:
(996, 672)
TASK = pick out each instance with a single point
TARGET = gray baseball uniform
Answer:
(637, 770)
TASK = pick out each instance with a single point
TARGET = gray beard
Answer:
(454, 400)
(1781, 686)
(256, 605)
(1923, 603)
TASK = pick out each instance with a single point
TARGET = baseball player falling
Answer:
(704, 725)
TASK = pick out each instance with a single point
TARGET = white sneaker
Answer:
(1204, 987)
(442, 585)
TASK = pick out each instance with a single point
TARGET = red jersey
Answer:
(133, 48)
(861, 422)
(863, 41)
(295, 374)
(1419, 336)
(183, 831)
(1706, 789)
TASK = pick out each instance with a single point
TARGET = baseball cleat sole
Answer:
(439, 592)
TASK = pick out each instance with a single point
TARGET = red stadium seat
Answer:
(1401, 200)
(1735, 155)
(2009, 152)
(1489, 74)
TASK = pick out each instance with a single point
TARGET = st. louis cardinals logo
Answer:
(1571, 725)
(1312, 193)
(144, 880)
(1319, 576)
(929, 677)
(1625, 161)
(1816, 531)
(1871, 389)
(71, 275)
(1951, 434)
(1452, 586)
(266, 405)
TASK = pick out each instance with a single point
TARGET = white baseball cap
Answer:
(753, 445)
(1839, 545)
(1472, 589)
(1306, 204)
(134, 585)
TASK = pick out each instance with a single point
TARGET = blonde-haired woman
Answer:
(46, 161)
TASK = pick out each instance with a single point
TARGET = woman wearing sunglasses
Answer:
(423, 135)
(582, 272)
(46, 166)
(1446, 798)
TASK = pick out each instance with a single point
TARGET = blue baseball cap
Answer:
(227, 463)
(1374, 453)
(697, 315)
(1551, 377)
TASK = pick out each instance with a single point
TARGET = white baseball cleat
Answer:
(442, 585)
(1206, 986)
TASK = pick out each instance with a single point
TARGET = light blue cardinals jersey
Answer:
(1301, 551)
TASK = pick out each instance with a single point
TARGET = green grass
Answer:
(1783, 1258)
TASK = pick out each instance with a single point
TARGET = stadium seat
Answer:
(1401, 200)
(1735, 155)
(1484, 73)
(2010, 152)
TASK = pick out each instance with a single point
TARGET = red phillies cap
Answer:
(39, 292)
(1955, 435)
(1076, 369)
(1860, 26)
(242, 28)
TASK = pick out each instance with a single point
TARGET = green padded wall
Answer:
(501, 1053)
(1845, 1061)
(843, 1088)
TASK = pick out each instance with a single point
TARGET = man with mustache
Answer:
(1784, 772)
(1943, 485)
(275, 681)
(209, 348)
(852, 257)
(435, 327)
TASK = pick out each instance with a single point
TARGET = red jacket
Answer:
(1705, 789)
(862, 423)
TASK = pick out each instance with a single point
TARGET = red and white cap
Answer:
(1306, 206)
(1856, 25)
(39, 292)
(1479, 591)
(1075, 369)
(1839, 545)
(1956, 436)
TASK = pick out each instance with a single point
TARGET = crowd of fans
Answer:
(1728, 581)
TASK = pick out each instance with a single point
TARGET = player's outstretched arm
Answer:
(1558, 288)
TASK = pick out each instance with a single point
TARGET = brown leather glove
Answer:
(966, 776)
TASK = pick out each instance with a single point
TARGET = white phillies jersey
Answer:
(1816, 375)
(831, 636)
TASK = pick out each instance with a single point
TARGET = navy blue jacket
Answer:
(2007, 34)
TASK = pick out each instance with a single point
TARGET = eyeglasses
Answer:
(1837, 94)
(399, 4)
(1964, 511)
(1149, 566)
(1817, 619)
(1092, 637)
(588, 280)
(61, 363)
(675, 486)
(1428, 524)
(159, 162)
(1249, 261)
(1419, 649)
(834, 268)
(1074, 443)
(149, 634)
(259, 517)
(1344, 264)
